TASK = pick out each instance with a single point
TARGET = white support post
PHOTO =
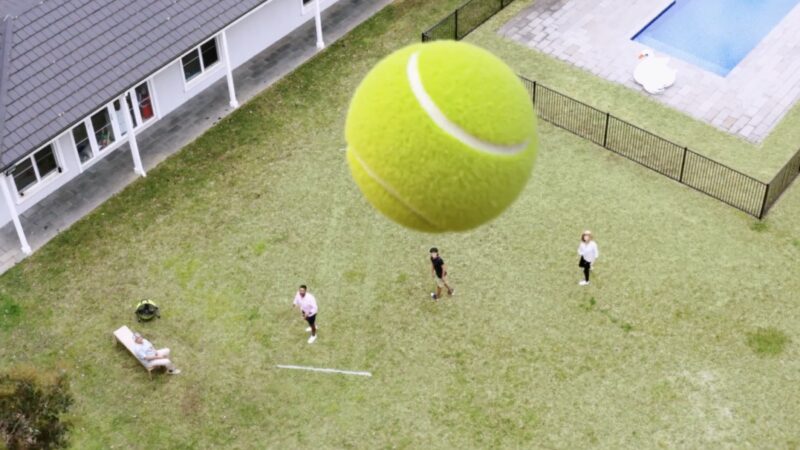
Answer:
(229, 71)
(137, 160)
(318, 22)
(12, 211)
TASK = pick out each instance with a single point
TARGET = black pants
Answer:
(587, 266)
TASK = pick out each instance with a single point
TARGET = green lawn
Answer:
(761, 161)
(687, 337)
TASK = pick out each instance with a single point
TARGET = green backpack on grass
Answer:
(146, 310)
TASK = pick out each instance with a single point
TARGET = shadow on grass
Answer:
(767, 341)
(591, 305)
(10, 312)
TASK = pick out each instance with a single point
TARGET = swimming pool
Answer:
(713, 34)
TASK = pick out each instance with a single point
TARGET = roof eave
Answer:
(5, 52)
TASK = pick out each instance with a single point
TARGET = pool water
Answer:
(713, 34)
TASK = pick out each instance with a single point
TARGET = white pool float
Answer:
(653, 73)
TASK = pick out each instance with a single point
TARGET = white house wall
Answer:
(246, 38)
(171, 91)
(70, 167)
(266, 26)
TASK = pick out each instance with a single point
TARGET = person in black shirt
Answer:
(439, 273)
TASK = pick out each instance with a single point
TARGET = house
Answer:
(80, 78)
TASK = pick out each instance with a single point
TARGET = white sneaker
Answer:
(583, 282)
(312, 339)
(174, 371)
(308, 330)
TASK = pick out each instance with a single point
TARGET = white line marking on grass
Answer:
(318, 369)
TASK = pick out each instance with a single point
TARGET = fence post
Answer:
(683, 163)
(605, 133)
(764, 204)
(455, 27)
(534, 93)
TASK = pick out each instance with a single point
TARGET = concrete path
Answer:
(109, 176)
(596, 36)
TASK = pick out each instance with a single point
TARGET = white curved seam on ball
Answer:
(440, 119)
(390, 189)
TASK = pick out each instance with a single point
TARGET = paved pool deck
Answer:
(596, 36)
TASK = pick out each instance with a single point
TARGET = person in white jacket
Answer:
(589, 253)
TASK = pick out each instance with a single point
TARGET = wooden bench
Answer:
(124, 336)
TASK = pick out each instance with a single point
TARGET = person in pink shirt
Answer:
(308, 308)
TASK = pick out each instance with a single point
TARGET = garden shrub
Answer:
(32, 405)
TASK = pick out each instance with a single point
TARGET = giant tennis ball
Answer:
(441, 136)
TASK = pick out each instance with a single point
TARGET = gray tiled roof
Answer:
(61, 59)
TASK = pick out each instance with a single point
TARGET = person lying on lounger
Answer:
(145, 351)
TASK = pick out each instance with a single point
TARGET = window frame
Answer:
(96, 152)
(136, 104)
(40, 181)
(204, 70)
(119, 139)
(112, 120)
(89, 137)
(135, 108)
(92, 135)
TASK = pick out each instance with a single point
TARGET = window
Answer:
(45, 161)
(120, 113)
(35, 168)
(209, 52)
(145, 102)
(103, 131)
(24, 176)
(105, 127)
(82, 143)
(97, 132)
(142, 112)
(191, 65)
(200, 59)
(305, 2)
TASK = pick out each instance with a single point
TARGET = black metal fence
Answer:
(654, 152)
(464, 19)
(782, 180)
(625, 139)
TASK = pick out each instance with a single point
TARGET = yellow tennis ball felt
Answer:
(441, 136)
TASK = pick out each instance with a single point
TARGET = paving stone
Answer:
(728, 122)
(769, 75)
